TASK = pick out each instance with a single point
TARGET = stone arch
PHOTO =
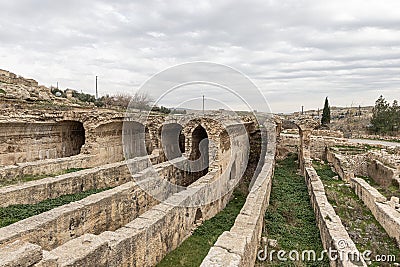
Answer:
(232, 174)
(305, 127)
(23, 142)
(113, 128)
(72, 137)
(224, 141)
(106, 141)
(199, 147)
(198, 217)
(137, 139)
(172, 140)
(153, 134)
(199, 154)
(148, 141)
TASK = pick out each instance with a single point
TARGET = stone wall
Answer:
(365, 164)
(14, 173)
(288, 143)
(22, 142)
(382, 166)
(161, 228)
(104, 211)
(328, 133)
(20, 254)
(383, 212)
(381, 173)
(105, 176)
(238, 247)
(142, 242)
(333, 233)
(318, 147)
(342, 167)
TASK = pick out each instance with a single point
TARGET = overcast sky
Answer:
(297, 52)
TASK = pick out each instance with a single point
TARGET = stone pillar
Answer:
(304, 150)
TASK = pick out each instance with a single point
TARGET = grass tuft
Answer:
(290, 217)
(28, 178)
(15, 213)
(195, 248)
(363, 228)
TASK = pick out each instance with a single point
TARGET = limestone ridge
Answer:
(13, 86)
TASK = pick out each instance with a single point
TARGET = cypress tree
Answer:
(326, 113)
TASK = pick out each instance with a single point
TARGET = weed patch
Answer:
(290, 217)
(363, 229)
(15, 213)
(195, 248)
(28, 178)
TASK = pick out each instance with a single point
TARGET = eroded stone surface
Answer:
(21, 254)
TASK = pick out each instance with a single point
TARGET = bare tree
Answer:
(141, 101)
(121, 100)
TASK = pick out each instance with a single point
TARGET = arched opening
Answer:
(72, 138)
(172, 140)
(198, 218)
(148, 143)
(200, 149)
(232, 174)
(182, 142)
(108, 141)
(137, 140)
(24, 142)
(224, 141)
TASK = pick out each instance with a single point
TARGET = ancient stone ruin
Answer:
(65, 149)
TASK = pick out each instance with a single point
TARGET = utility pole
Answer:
(97, 95)
(302, 110)
(203, 104)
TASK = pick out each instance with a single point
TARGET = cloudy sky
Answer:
(297, 52)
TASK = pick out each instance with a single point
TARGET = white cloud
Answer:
(297, 52)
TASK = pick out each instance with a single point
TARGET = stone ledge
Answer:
(331, 228)
(386, 215)
(238, 247)
(20, 254)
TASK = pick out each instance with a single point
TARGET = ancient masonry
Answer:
(45, 137)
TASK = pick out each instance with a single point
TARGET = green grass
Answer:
(28, 178)
(348, 149)
(15, 213)
(364, 230)
(290, 218)
(195, 248)
(2, 91)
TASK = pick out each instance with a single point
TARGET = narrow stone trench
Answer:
(15, 213)
(387, 191)
(363, 228)
(195, 248)
(28, 178)
(289, 221)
